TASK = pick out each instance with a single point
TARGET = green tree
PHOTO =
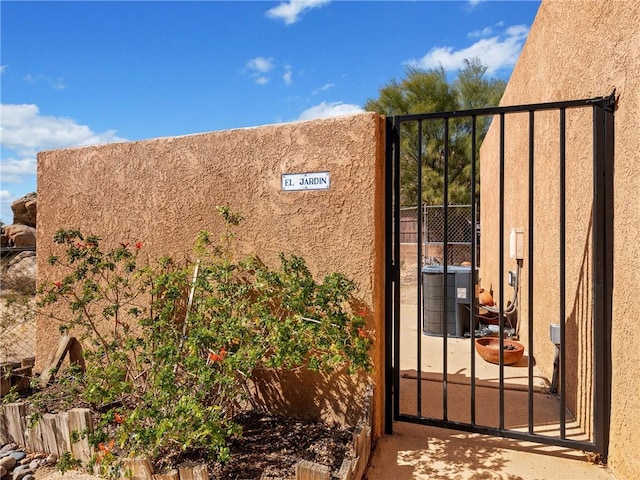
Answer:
(427, 91)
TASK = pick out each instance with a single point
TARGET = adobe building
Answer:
(577, 50)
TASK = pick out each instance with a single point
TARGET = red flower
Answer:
(106, 448)
(217, 357)
(363, 333)
(119, 418)
(79, 245)
(58, 284)
(138, 245)
(363, 313)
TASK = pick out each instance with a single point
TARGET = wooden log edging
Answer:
(50, 433)
(68, 432)
(354, 466)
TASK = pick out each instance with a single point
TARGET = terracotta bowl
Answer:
(489, 349)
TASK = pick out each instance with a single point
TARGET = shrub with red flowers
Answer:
(171, 348)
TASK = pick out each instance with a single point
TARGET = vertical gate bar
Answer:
(530, 268)
(501, 272)
(419, 277)
(396, 272)
(474, 233)
(563, 273)
(603, 139)
(390, 266)
(445, 278)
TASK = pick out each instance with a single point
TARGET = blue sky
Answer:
(85, 72)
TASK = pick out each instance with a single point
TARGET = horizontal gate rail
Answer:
(601, 259)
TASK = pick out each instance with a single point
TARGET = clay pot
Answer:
(489, 350)
(485, 298)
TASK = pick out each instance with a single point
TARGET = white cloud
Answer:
(26, 131)
(5, 196)
(290, 11)
(497, 52)
(286, 77)
(260, 64)
(473, 3)
(323, 88)
(327, 110)
(481, 33)
(258, 67)
(56, 84)
(13, 168)
(6, 199)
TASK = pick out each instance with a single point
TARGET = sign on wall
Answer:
(305, 181)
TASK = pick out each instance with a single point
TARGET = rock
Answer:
(9, 447)
(20, 235)
(28, 477)
(18, 455)
(32, 208)
(3, 472)
(8, 463)
(20, 474)
(24, 210)
(20, 273)
(34, 464)
(51, 459)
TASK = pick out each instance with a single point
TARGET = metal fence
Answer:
(458, 238)
(17, 332)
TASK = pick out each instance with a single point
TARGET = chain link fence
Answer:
(17, 331)
(458, 235)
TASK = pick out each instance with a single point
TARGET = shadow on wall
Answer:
(579, 338)
(336, 398)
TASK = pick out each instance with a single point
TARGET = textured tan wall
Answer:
(577, 49)
(164, 191)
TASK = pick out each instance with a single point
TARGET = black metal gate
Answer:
(435, 312)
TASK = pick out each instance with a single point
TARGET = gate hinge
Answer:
(609, 103)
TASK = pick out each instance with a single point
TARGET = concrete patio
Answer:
(424, 452)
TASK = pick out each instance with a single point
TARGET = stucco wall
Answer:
(164, 191)
(577, 49)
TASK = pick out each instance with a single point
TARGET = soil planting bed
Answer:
(270, 445)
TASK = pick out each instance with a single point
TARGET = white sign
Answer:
(305, 181)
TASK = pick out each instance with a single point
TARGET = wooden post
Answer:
(4, 433)
(65, 344)
(81, 423)
(63, 439)
(49, 433)
(312, 471)
(137, 469)
(197, 472)
(346, 471)
(170, 475)
(362, 447)
(33, 435)
(14, 415)
(5, 383)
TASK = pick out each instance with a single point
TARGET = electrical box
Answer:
(516, 243)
